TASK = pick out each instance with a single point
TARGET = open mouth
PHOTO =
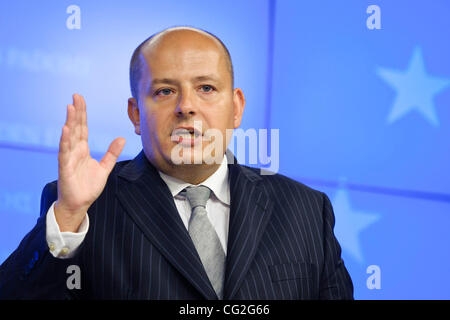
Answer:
(186, 135)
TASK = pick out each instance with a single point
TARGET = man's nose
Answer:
(185, 105)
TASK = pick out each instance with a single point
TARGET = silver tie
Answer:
(205, 238)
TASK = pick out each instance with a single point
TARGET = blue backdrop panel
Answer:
(370, 105)
(24, 175)
(407, 238)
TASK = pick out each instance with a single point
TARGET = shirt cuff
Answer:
(63, 245)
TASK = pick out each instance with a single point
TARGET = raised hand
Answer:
(81, 179)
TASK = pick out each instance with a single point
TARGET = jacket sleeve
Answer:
(31, 271)
(335, 280)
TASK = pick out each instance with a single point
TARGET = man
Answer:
(153, 228)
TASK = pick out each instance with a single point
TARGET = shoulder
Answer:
(277, 185)
(119, 165)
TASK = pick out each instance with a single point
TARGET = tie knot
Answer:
(197, 196)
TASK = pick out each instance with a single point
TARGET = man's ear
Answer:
(133, 114)
(239, 105)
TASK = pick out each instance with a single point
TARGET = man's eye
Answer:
(164, 92)
(207, 88)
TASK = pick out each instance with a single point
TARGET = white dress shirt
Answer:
(64, 244)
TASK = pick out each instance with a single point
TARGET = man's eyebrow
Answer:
(206, 78)
(175, 82)
(164, 81)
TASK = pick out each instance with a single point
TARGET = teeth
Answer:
(186, 133)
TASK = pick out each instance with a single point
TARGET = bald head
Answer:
(180, 38)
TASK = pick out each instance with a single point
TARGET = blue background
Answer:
(311, 69)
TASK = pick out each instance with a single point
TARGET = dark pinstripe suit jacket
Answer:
(280, 244)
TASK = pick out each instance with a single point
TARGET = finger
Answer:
(84, 127)
(64, 146)
(78, 107)
(109, 159)
(70, 121)
(71, 125)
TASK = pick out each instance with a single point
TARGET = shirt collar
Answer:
(217, 182)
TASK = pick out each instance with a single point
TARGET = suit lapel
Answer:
(147, 199)
(250, 211)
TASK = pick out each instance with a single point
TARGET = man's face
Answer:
(185, 78)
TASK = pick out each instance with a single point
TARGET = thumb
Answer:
(109, 159)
